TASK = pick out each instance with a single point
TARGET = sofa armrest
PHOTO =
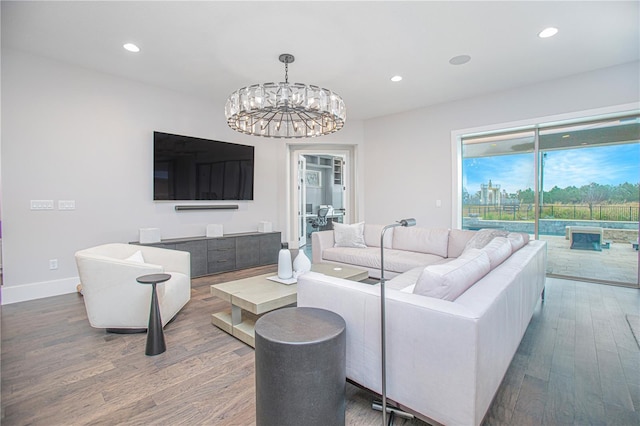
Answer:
(321, 241)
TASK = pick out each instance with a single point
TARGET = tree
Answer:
(526, 196)
(625, 193)
(594, 194)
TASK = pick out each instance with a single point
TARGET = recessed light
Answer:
(131, 47)
(460, 60)
(566, 136)
(548, 32)
(396, 78)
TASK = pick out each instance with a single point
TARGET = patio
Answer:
(618, 263)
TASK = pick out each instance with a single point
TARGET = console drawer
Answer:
(221, 255)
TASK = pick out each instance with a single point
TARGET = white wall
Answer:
(73, 134)
(409, 159)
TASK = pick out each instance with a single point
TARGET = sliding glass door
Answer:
(575, 186)
(589, 193)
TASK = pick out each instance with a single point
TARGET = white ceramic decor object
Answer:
(149, 235)
(265, 227)
(301, 264)
(214, 230)
(285, 267)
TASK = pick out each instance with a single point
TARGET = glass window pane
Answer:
(588, 193)
(498, 182)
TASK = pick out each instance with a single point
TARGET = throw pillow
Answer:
(449, 280)
(498, 250)
(517, 240)
(349, 235)
(483, 237)
(136, 257)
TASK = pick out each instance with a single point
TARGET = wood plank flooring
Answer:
(578, 364)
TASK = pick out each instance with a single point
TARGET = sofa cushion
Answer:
(394, 260)
(406, 280)
(421, 240)
(498, 250)
(458, 239)
(484, 236)
(402, 261)
(349, 235)
(372, 235)
(368, 257)
(449, 280)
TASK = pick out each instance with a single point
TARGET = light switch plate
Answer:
(66, 204)
(41, 204)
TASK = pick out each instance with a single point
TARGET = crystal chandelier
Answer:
(283, 110)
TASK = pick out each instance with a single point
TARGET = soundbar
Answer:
(207, 207)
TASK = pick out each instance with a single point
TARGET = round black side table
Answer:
(155, 334)
(300, 361)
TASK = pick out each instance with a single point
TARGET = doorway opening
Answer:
(321, 191)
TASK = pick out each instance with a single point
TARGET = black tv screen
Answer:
(188, 168)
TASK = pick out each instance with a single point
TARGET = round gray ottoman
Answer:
(300, 368)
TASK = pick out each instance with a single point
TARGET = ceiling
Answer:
(211, 48)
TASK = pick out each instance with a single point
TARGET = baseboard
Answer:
(22, 293)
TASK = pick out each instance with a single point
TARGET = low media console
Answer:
(227, 253)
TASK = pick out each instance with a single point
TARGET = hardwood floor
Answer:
(578, 364)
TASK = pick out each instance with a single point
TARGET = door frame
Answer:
(349, 183)
(534, 124)
(530, 123)
(302, 200)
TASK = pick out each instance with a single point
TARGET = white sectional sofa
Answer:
(445, 358)
(405, 248)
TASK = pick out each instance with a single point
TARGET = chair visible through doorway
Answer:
(320, 220)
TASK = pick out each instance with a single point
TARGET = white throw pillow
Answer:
(517, 240)
(136, 257)
(498, 250)
(449, 280)
(483, 237)
(349, 235)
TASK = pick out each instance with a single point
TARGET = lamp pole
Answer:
(403, 222)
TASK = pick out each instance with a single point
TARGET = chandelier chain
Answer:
(286, 72)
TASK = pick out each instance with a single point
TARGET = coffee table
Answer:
(252, 297)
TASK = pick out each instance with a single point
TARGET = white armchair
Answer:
(112, 296)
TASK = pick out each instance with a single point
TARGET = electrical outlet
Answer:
(53, 264)
(438, 203)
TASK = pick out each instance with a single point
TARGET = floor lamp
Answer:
(403, 222)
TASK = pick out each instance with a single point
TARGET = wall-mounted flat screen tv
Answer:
(188, 168)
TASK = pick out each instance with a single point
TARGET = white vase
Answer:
(285, 268)
(301, 263)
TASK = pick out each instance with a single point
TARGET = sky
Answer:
(605, 165)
